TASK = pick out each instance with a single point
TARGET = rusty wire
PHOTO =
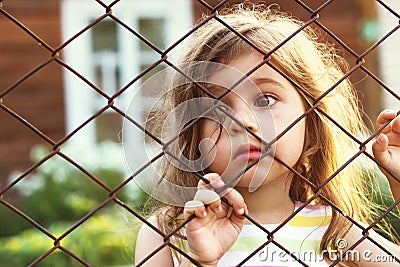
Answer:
(54, 56)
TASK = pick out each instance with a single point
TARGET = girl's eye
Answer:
(265, 101)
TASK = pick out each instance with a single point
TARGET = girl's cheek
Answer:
(208, 129)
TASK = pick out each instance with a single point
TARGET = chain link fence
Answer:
(110, 193)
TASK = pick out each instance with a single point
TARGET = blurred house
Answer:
(55, 102)
(389, 53)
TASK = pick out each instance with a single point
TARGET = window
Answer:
(389, 52)
(110, 56)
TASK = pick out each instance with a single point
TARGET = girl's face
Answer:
(266, 105)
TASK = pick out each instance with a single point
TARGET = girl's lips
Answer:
(247, 152)
(248, 155)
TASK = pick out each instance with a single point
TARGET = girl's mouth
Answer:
(248, 152)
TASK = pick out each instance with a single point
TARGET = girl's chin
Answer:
(253, 177)
(252, 181)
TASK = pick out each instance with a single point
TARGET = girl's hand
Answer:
(215, 228)
(386, 148)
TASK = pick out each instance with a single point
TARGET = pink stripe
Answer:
(309, 207)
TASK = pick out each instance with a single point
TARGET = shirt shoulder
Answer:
(314, 215)
(301, 234)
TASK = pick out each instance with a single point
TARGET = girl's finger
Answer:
(383, 117)
(380, 149)
(215, 181)
(216, 206)
(206, 196)
(194, 207)
(236, 200)
(233, 197)
(396, 125)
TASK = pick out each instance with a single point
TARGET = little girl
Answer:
(309, 197)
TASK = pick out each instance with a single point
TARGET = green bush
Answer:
(103, 240)
(383, 197)
(56, 196)
(59, 191)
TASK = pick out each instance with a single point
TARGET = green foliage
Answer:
(59, 191)
(382, 195)
(57, 195)
(103, 240)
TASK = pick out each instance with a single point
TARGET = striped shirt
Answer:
(300, 236)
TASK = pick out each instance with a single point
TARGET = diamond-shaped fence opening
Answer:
(78, 203)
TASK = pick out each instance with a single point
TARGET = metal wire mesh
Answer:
(54, 57)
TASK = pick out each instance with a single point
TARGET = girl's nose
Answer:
(246, 118)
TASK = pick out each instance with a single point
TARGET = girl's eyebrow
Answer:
(269, 81)
(218, 90)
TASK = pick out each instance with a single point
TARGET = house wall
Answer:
(39, 99)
